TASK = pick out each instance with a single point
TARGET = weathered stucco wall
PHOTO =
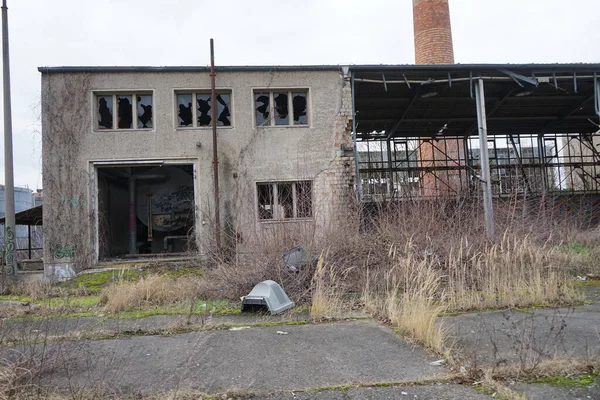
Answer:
(247, 154)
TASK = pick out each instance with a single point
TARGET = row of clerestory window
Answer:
(116, 111)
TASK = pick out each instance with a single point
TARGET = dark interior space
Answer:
(145, 210)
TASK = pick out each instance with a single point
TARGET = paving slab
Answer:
(547, 391)
(22, 329)
(509, 336)
(323, 395)
(440, 391)
(435, 391)
(253, 359)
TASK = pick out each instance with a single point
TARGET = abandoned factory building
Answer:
(128, 162)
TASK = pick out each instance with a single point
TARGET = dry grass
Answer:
(409, 298)
(42, 290)
(551, 367)
(326, 294)
(516, 272)
(151, 290)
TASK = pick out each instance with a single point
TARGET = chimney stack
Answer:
(433, 33)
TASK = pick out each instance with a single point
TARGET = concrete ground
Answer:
(351, 359)
(509, 336)
(256, 359)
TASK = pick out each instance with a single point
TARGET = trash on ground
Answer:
(438, 362)
(297, 258)
(267, 294)
(282, 333)
(239, 328)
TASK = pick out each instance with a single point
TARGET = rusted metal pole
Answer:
(9, 193)
(213, 120)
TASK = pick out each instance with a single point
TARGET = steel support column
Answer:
(486, 183)
(597, 94)
(357, 171)
(390, 168)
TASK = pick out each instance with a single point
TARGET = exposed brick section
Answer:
(334, 186)
(433, 32)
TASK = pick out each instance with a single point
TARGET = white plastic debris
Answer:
(438, 362)
(404, 393)
(239, 328)
(282, 333)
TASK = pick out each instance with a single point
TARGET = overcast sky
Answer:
(268, 32)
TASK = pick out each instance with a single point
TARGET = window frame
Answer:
(194, 93)
(96, 94)
(274, 192)
(289, 91)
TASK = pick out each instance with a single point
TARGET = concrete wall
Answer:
(247, 154)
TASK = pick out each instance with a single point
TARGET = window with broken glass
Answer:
(124, 111)
(284, 200)
(194, 109)
(281, 107)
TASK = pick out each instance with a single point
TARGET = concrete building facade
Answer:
(284, 157)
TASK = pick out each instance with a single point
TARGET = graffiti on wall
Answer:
(74, 202)
(9, 251)
(64, 251)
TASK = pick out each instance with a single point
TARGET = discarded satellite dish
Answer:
(267, 294)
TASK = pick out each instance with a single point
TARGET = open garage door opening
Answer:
(145, 210)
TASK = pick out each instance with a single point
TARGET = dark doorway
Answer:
(145, 210)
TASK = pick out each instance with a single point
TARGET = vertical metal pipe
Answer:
(357, 173)
(29, 241)
(9, 223)
(213, 113)
(597, 94)
(486, 183)
(132, 216)
(390, 169)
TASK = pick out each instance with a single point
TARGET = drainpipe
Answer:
(213, 109)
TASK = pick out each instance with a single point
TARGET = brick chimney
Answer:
(433, 45)
(433, 33)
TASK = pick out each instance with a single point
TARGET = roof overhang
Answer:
(31, 216)
(439, 100)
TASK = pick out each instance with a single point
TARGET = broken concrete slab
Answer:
(255, 359)
(508, 336)
(542, 391)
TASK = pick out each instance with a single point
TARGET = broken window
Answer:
(299, 107)
(284, 200)
(265, 201)
(280, 108)
(133, 111)
(184, 107)
(194, 109)
(144, 111)
(105, 112)
(125, 112)
(304, 199)
(261, 102)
